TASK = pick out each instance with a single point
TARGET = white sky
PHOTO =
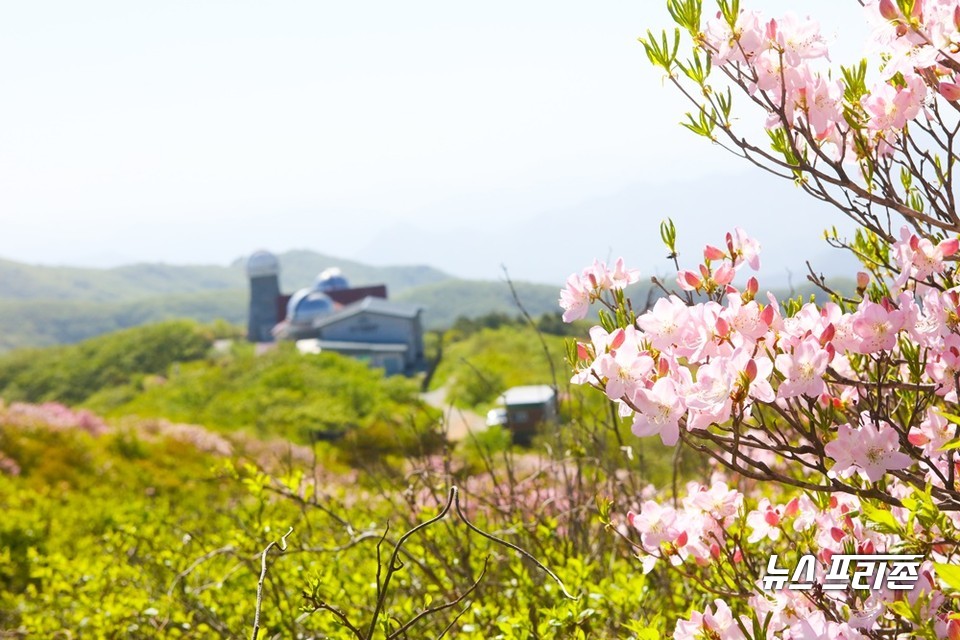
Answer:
(199, 131)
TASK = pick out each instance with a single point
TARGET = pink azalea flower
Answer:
(765, 522)
(934, 432)
(660, 410)
(919, 258)
(799, 39)
(803, 370)
(709, 396)
(622, 277)
(717, 623)
(655, 523)
(575, 299)
(665, 322)
(871, 449)
(890, 107)
(625, 366)
(746, 319)
(744, 249)
(877, 327)
(720, 501)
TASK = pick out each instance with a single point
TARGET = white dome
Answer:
(262, 263)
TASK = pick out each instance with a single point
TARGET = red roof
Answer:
(348, 296)
(340, 297)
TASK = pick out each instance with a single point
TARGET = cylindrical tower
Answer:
(263, 269)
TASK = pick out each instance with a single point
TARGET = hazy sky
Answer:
(200, 131)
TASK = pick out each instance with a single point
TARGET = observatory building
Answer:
(330, 315)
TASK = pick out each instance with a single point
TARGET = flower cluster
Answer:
(51, 415)
(584, 288)
(715, 529)
(698, 365)
(805, 395)
(775, 60)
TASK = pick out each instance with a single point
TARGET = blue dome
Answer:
(331, 279)
(308, 304)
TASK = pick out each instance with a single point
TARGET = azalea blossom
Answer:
(659, 411)
(870, 449)
(803, 370)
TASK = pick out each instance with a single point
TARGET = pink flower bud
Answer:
(863, 280)
(704, 272)
(949, 247)
(914, 242)
(953, 629)
(689, 281)
(766, 316)
(715, 550)
(828, 334)
(753, 286)
(949, 90)
(582, 353)
(682, 539)
(771, 517)
(889, 10)
(618, 339)
(751, 370)
(831, 351)
(738, 556)
(837, 534)
(918, 439)
(630, 516)
(866, 547)
(724, 275)
(793, 507)
(772, 30)
(825, 400)
(722, 328)
(956, 17)
(663, 367)
(710, 252)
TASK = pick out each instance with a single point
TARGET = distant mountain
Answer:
(19, 281)
(444, 302)
(299, 268)
(42, 305)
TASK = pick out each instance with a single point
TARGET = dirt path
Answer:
(459, 422)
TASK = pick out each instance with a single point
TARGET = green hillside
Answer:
(445, 301)
(44, 305)
(40, 323)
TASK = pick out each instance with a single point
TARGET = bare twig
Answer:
(282, 545)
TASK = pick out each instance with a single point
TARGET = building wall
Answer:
(370, 327)
(264, 291)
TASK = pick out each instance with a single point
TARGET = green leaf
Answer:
(950, 446)
(949, 574)
(949, 416)
(882, 518)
